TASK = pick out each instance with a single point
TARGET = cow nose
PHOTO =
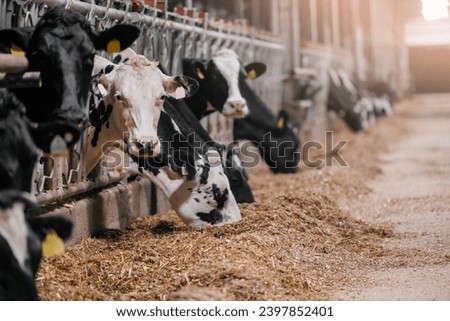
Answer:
(78, 120)
(147, 148)
(238, 105)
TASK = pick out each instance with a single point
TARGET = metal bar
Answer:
(11, 63)
(314, 21)
(115, 14)
(51, 196)
(20, 80)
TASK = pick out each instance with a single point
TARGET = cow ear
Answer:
(15, 41)
(255, 69)
(44, 225)
(200, 71)
(9, 197)
(194, 68)
(283, 118)
(181, 87)
(116, 38)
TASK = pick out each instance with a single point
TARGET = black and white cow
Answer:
(356, 110)
(62, 47)
(126, 104)
(276, 139)
(21, 239)
(343, 100)
(219, 84)
(238, 176)
(206, 199)
(21, 235)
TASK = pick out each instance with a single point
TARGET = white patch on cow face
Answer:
(227, 61)
(13, 228)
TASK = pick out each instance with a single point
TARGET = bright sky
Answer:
(435, 9)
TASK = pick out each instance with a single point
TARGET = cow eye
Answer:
(37, 53)
(119, 97)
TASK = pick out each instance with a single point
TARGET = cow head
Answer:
(131, 99)
(21, 244)
(279, 146)
(212, 198)
(219, 82)
(19, 153)
(238, 176)
(205, 200)
(62, 47)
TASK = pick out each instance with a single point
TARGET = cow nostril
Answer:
(68, 137)
(140, 145)
(237, 105)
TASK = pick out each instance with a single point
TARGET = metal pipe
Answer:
(115, 14)
(11, 63)
(51, 196)
(19, 80)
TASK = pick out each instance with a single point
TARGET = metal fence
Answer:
(166, 37)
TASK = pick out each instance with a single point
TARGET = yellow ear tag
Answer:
(113, 46)
(200, 74)
(52, 245)
(280, 123)
(17, 51)
(252, 74)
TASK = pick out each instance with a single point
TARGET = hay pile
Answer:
(281, 250)
(294, 243)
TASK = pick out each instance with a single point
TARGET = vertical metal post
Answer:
(295, 34)
(313, 14)
(358, 41)
(336, 22)
(275, 11)
(239, 9)
(255, 4)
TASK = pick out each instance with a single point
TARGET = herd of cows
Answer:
(137, 110)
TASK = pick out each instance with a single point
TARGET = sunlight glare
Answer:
(435, 9)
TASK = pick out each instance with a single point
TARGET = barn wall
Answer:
(430, 68)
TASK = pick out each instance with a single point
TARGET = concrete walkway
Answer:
(413, 195)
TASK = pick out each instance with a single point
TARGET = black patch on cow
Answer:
(197, 200)
(215, 216)
(103, 115)
(109, 68)
(205, 174)
(117, 59)
(217, 86)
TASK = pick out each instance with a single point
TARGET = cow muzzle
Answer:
(144, 148)
(235, 108)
